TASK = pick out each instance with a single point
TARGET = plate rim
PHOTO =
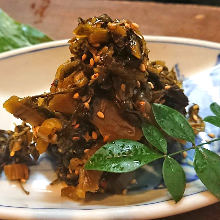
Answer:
(148, 38)
(188, 203)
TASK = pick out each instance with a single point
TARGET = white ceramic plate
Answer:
(30, 71)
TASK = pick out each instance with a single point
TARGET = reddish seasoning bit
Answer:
(100, 115)
(123, 87)
(96, 45)
(91, 62)
(142, 103)
(94, 135)
(105, 138)
(75, 138)
(167, 87)
(94, 76)
(86, 151)
(86, 104)
(84, 57)
(76, 95)
(76, 126)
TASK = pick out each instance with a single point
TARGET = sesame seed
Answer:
(100, 114)
(106, 137)
(94, 135)
(103, 50)
(96, 59)
(142, 67)
(167, 87)
(123, 87)
(94, 76)
(86, 104)
(134, 26)
(86, 150)
(91, 62)
(211, 135)
(76, 126)
(76, 95)
(75, 138)
(84, 57)
(124, 191)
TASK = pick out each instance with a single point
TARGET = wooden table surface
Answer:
(58, 18)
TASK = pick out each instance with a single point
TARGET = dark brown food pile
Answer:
(102, 93)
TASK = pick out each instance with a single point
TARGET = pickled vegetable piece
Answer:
(15, 106)
(16, 171)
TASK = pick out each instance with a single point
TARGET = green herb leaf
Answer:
(173, 122)
(207, 166)
(213, 120)
(15, 35)
(174, 178)
(154, 137)
(215, 108)
(121, 156)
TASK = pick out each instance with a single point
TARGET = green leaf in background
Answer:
(215, 109)
(207, 167)
(121, 156)
(213, 120)
(174, 178)
(15, 35)
(154, 137)
(173, 122)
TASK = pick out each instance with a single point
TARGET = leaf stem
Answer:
(55, 93)
(193, 147)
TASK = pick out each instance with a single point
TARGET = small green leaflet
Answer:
(121, 156)
(207, 167)
(215, 109)
(213, 120)
(173, 122)
(154, 137)
(174, 178)
(15, 35)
